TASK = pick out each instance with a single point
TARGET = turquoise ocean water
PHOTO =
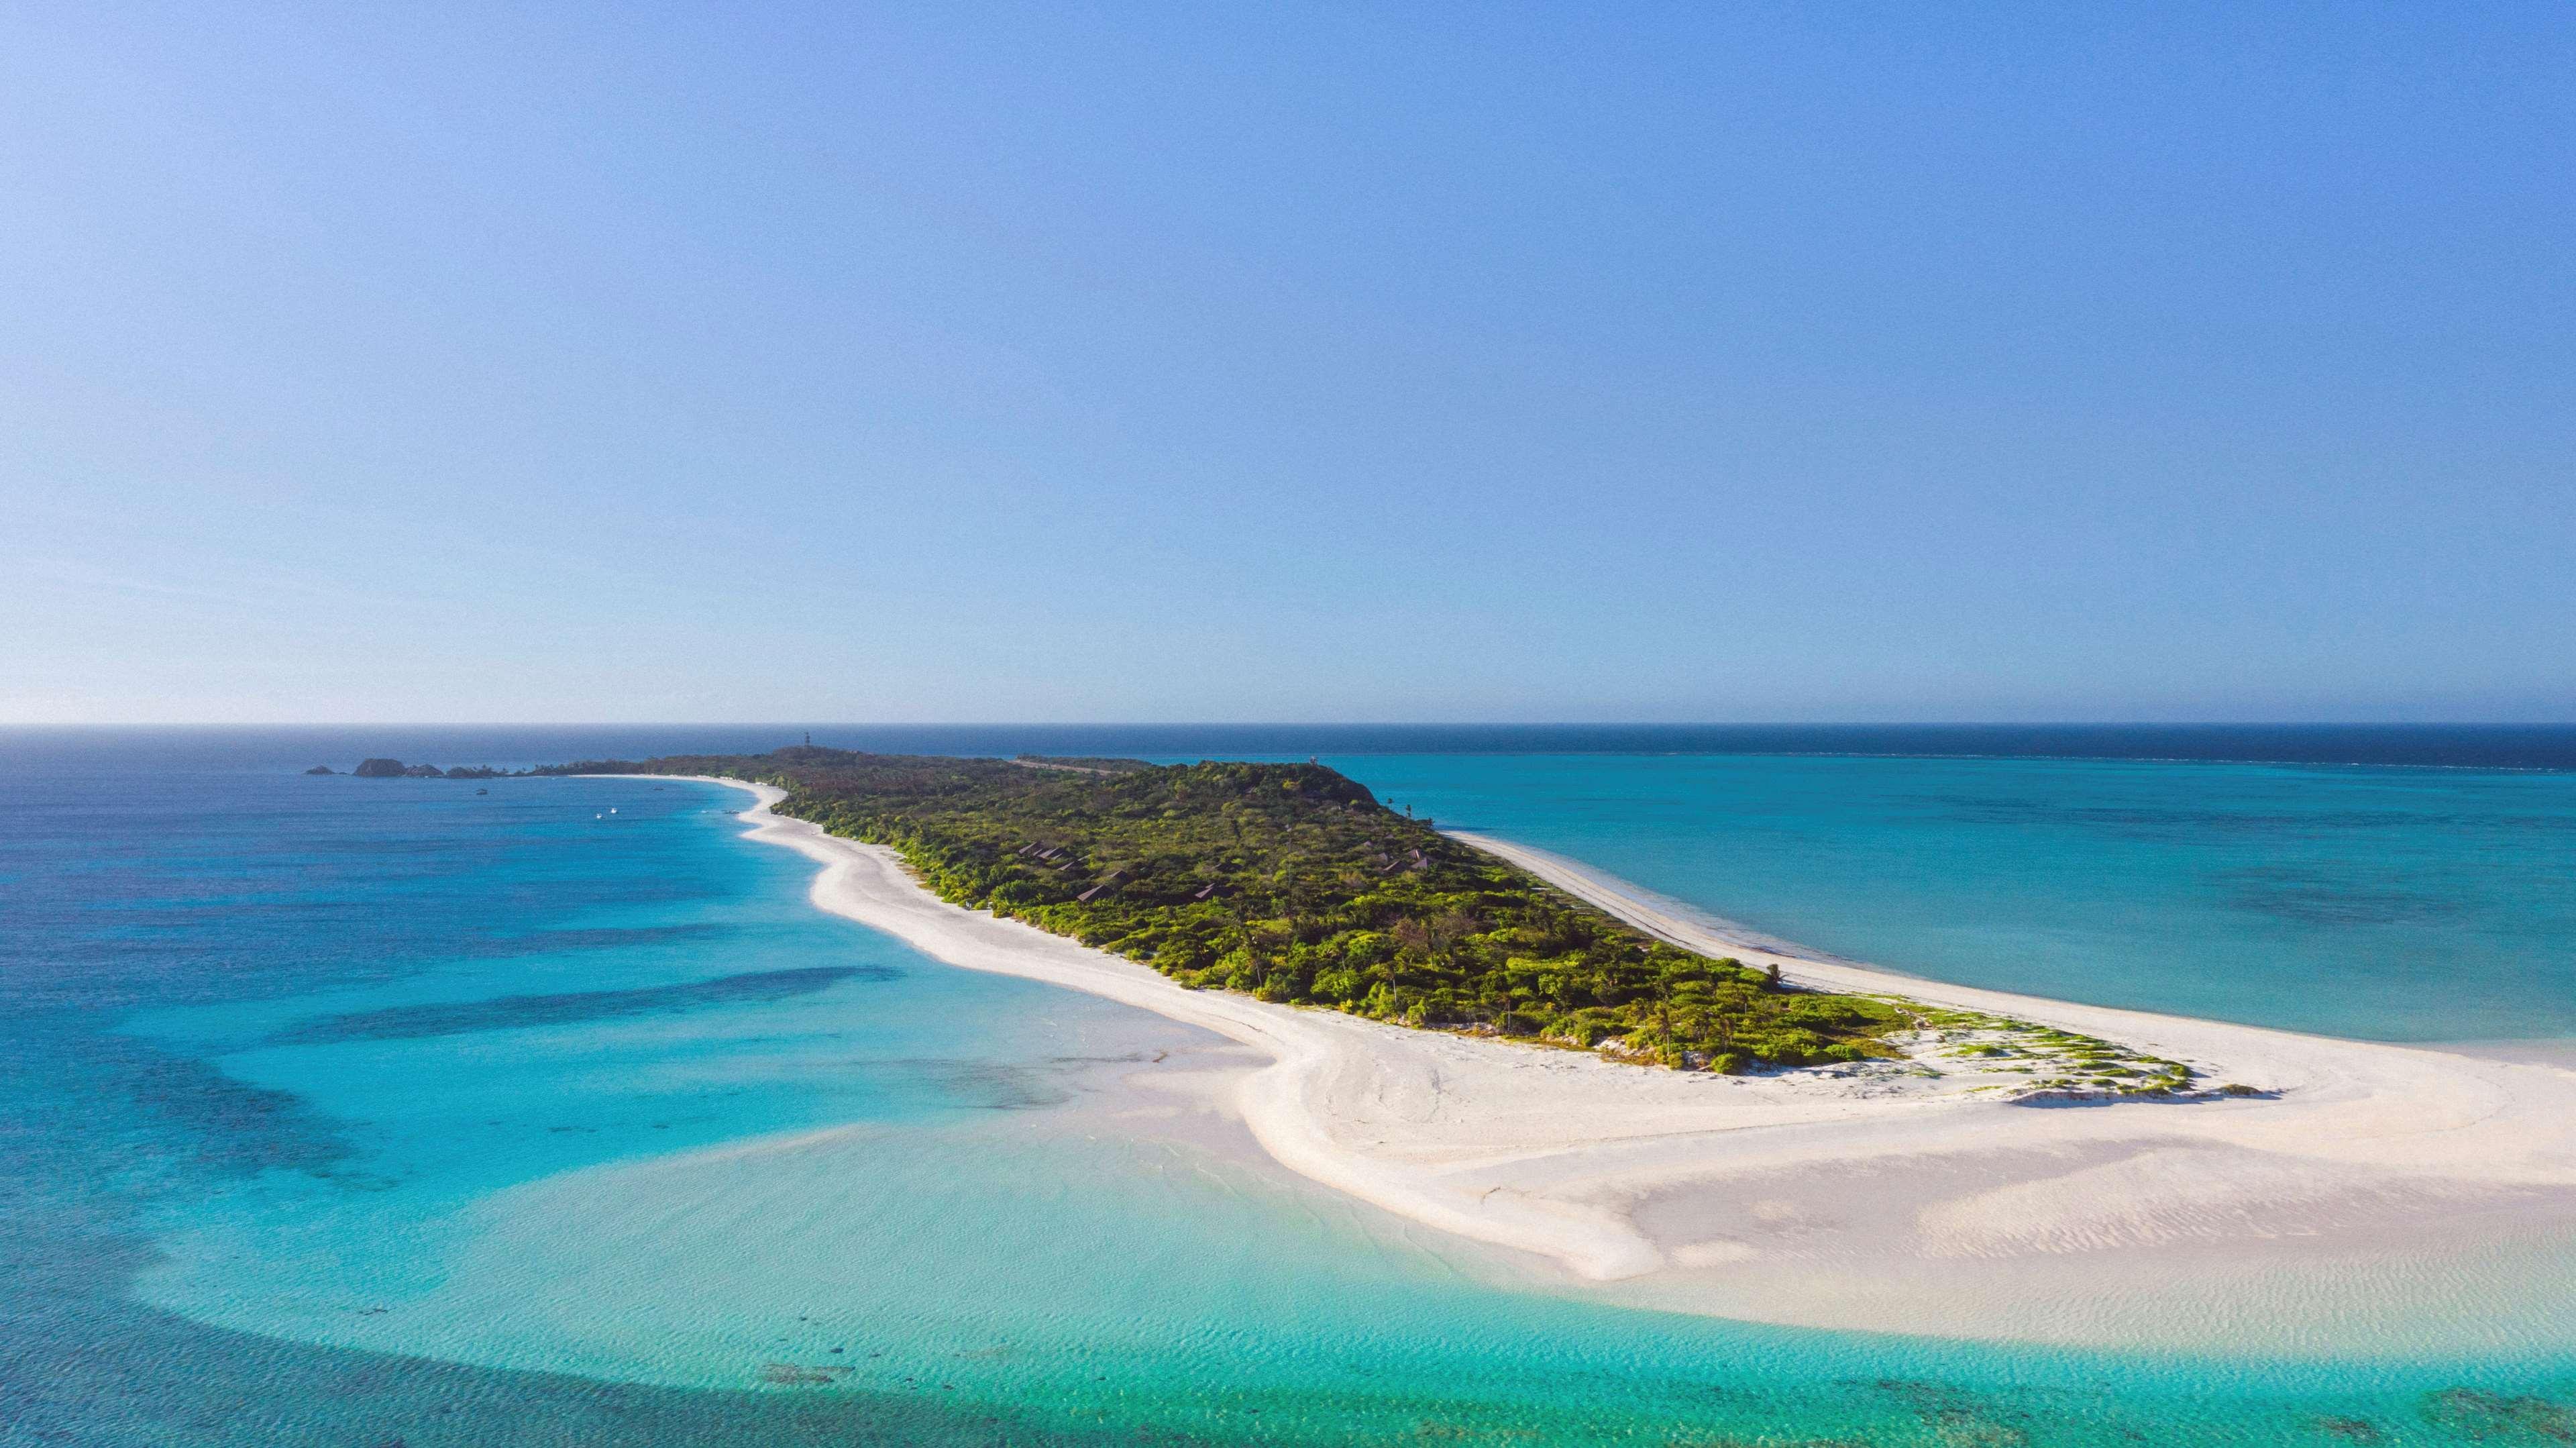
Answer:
(377, 1112)
(2373, 901)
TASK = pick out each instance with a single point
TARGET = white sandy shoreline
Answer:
(1881, 1197)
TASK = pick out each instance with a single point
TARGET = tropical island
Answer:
(396, 769)
(1481, 1037)
(1293, 884)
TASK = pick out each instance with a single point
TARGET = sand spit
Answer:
(2377, 1197)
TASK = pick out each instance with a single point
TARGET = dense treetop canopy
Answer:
(1291, 882)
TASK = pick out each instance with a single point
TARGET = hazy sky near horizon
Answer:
(1136, 362)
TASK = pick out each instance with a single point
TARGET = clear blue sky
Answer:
(1193, 362)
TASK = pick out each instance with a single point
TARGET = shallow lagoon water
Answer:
(357, 1111)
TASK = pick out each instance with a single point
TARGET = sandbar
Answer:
(2373, 1197)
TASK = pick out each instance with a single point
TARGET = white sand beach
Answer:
(2376, 1196)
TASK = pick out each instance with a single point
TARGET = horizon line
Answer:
(1301, 724)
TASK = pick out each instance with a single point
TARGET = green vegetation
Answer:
(1292, 883)
(396, 769)
(2056, 1063)
(1081, 763)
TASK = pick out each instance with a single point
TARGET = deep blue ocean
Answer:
(369, 1112)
